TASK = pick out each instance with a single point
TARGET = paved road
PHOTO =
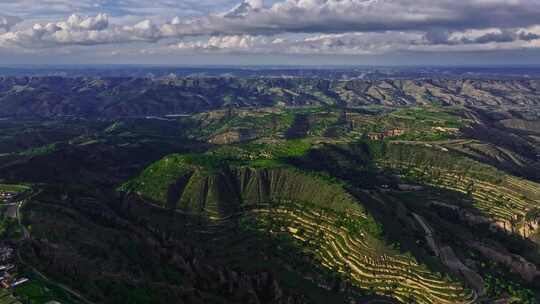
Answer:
(429, 234)
(450, 260)
(11, 210)
(26, 234)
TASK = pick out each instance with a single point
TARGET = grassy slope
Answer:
(13, 188)
(260, 167)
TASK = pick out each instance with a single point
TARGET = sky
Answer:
(270, 32)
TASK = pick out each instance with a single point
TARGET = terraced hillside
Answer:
(503, 198)
(287, 204)
(325, 221)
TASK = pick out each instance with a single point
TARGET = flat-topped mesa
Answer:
(225, 192)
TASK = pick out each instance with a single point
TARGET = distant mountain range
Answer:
(326, 72)
(48, 97)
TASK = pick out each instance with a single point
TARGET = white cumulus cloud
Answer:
(300, 27)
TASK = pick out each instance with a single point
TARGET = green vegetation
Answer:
(425, 136)
(428, 116)
(39, 150)
(279, 150)
(412, 157)
(14, 188)
(426, 123)
(10, 229)
(239, 203)
(500, 281)
(262, 123)
(492, 191)
(155, 181)
(316, 213)
(7, 298)
(39, 291)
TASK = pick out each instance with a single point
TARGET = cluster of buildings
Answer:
(6, 196)
(8, 277)
(446, 130)
(385, 134)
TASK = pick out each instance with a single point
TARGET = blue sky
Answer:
(315, 32)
